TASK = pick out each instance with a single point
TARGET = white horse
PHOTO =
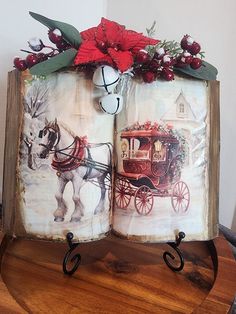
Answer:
(75, 160)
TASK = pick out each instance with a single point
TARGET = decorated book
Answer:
(100, 149)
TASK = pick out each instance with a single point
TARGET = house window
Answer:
(181, 108)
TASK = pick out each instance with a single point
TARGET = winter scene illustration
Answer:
(162, 148)
(65, 159)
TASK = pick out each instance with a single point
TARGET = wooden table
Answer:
(116, 276)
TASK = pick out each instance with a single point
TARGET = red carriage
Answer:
(152, 162)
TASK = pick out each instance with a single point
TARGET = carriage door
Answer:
(159, 158)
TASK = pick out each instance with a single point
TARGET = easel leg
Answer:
(167, 255)
(75, 259)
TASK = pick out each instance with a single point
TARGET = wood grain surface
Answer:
(118, 276)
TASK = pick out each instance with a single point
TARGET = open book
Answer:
(147, 173)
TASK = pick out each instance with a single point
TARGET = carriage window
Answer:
(159, 151)
(140, 148)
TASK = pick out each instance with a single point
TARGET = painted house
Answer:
(183, 118)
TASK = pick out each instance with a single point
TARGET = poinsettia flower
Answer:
(112, 44)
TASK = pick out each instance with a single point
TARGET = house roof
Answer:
(172, 113)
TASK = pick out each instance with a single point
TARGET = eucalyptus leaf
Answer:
(60, 61)
(69, 32)
(205, 72)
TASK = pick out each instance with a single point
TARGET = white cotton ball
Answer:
(111, 104)
(190, 40)
(160, 51)
(106, 78)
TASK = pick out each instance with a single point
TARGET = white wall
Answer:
(17, 26)
(213, 24)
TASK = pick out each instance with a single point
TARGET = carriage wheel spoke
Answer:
(143, 200)
(122, 193)
(180, 197)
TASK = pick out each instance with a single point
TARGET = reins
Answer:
(85, 161)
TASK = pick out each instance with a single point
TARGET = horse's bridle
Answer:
(54, 134)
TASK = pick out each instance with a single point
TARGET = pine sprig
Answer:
(202, 54)
(152, 30)
(172, 47)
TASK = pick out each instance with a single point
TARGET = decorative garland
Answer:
(109, 50)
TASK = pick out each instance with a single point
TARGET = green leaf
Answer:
(205, 72)
(69, 32)
(60, 61)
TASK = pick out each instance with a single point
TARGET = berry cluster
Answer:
(37, 46)
(158, 62)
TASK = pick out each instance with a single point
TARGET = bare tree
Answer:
(36, 100)
(35, 108)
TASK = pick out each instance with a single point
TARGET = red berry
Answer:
(167, 74)
(186, 42)
(20, 64)
(195, 48)
(149, 77)
(114, 46)
(196, 63)
(154, 65)
(31, 60)
(186, 58)
(55, 35)
(167, 61)
(142, 56)
(42, 57)
(179, 63)
(63, 45)
(102, 46)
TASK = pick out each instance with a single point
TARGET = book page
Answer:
(65, 159)
(162, 151)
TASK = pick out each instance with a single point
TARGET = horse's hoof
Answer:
(58, 219)
(75, 219)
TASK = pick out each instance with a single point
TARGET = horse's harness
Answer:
(74, 159)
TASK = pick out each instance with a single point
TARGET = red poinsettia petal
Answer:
(130, 39)
(106, 59)
(122, 59)
(88, 34)
(88, 52)
(144, 41)
(109, 32)
(136, 41)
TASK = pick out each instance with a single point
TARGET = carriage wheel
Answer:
(180, 197)
(143, 200)
(122, 193)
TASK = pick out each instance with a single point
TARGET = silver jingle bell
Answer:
(106, 78)
(111, 103)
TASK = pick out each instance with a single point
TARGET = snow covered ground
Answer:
(163, 222)
(40, 204)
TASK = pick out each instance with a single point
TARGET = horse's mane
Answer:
(66, 128)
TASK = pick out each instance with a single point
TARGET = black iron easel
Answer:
(76, 259)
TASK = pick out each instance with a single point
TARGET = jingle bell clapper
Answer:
(111, 103)
(106, 78)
